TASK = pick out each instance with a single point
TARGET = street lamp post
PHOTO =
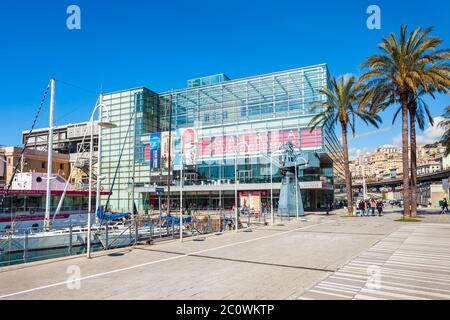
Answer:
(235, 184)
(181, 190)
(272, 216)
(103, 124)
(235, 191)
(296, 190)
(272, 154)
(99, 167)
(365, 195)
(296, 182)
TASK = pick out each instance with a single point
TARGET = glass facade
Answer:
(223, 131)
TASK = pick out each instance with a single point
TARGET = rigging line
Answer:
(120, 158)
(81, 150)
(25, 145)
(57, 121)
(77, 87)
(74, 86)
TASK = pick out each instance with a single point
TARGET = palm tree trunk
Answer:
(412, 124)
(405, 152)
(348, 178)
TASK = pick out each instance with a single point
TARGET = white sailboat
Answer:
(45, 240)
(13, 241)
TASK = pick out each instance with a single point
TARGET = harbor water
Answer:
(14, 258)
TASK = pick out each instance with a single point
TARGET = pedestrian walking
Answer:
(366, 207)
(380, 207)
(372, 206)
(361, 207)
(443, 204)
(328, 207)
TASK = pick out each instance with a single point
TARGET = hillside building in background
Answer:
(68, 139)
(33, 161)
(386, 163)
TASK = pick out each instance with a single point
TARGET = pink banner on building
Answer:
(230, 145)
(253, 143)
(277, 139)
(259, 142)
(205, 147)
(218, 146)
(311, 140)
(147, 152)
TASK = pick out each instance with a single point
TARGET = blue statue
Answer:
(290, 203)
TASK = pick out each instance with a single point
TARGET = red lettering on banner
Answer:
(277, 139)
(147, 152)
(205, 150)
(230, 145)
(259, 142)
(217, 146)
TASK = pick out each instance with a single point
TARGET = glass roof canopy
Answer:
(256, 97)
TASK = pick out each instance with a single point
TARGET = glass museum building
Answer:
(225, 135)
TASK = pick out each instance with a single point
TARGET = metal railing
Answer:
(24, 245)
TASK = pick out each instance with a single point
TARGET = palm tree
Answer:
(418, 112)
(406, 66)
(346, 100)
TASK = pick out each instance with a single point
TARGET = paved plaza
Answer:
(324, 257)
(411, 263)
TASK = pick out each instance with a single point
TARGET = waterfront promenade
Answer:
(296, 260)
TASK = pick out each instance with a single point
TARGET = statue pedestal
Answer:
(289, 202)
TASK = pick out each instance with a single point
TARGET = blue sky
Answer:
(161, 44)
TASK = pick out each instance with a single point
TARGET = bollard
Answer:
(130, 226)
(106, 235)
(151, 230)
(193, 226)
(25, 247)
(136, 225)
(173, 229)
(9, 247)
(70, 240)
(209, 224)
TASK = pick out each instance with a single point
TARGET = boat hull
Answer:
(44, 241)
(36, 222)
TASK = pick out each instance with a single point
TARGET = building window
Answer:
(139, 102)
(43, 165)
(61, 166)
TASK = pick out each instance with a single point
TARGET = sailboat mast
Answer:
(50, 157)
